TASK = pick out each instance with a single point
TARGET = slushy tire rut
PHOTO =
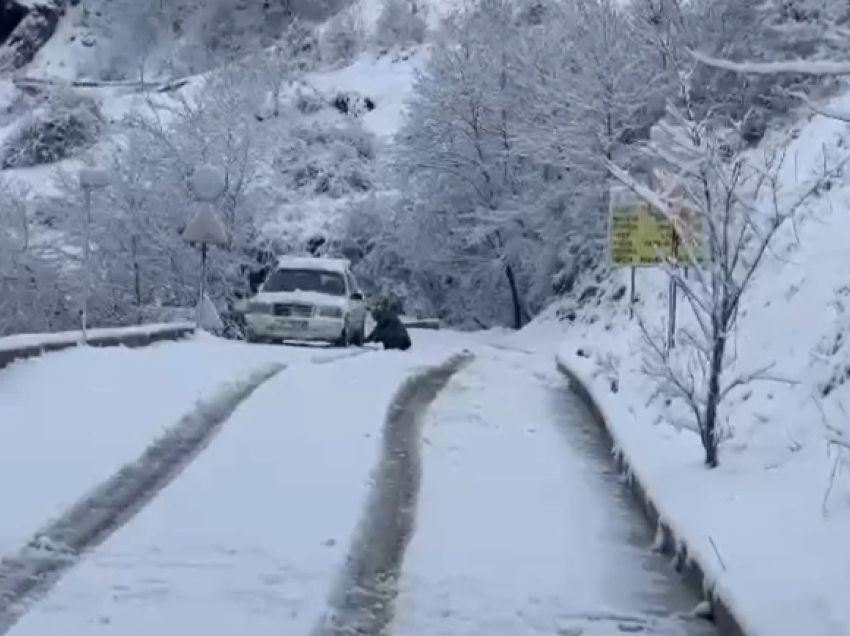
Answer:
(362, 603)
(30, 574)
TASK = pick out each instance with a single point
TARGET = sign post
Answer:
(672, 294)
(90, 179)
(205, 228)
(640, 236)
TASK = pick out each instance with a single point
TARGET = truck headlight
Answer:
(330, 312)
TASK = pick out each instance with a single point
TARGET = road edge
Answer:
(669, 543)
(31, 572)
(363, 597)
(130, 337)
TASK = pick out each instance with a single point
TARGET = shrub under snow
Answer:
(401, 22)
(327, 160)
(66, 124)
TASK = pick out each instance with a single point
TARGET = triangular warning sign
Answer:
(205, 228)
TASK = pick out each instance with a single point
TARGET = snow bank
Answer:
(63, 339)
(387, 81)
(770, 525)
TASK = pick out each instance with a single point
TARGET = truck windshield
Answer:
(311, 280)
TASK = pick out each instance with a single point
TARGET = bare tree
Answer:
(837, 433)
(31, 281)
(741, 204)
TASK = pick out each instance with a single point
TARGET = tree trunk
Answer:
(516, 301)
(709, 432)
(137, 277)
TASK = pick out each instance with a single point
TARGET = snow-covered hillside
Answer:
(299, 122)
(370, 87)
(770, 523)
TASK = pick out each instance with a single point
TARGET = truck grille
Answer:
(297, 311)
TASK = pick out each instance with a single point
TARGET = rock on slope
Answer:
(25, 26)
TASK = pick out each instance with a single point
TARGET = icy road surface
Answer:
(521, 527)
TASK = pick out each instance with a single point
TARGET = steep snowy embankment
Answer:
(771, 523)
(322, 174)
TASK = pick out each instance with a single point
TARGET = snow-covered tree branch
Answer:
(818, 68)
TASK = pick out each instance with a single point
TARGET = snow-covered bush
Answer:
(308, 101)
(401, 22)
(66, 124)
(344, 35)
(326, 159)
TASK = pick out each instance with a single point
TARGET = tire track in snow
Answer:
(362, 602)
(30, 573)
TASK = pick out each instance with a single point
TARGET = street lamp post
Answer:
(205, 228)
(90, 179)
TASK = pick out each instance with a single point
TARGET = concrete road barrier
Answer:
(20, 347)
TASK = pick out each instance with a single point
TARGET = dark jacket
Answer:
(389, 331)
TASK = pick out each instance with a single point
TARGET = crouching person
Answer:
(389, 330)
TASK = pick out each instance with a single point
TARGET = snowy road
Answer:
(255, 531)
(69, 420)
(518, 525)
(522, 528)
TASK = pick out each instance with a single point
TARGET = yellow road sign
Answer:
(641, 237)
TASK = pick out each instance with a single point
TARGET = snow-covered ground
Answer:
(70, 419)
(771, 523)
(519, 530)
(253, 533)
(522, 527)
(387, 80)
